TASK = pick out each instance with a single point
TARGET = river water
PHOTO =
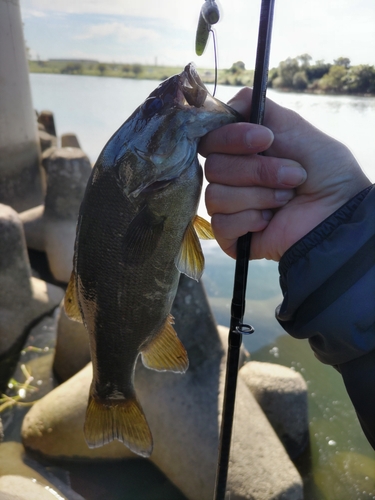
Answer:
(340, 464)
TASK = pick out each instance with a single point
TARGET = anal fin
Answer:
(121, 419)
(166, 352)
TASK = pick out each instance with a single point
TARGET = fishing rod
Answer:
(237, 327)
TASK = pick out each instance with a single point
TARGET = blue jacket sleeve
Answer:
(328, 284)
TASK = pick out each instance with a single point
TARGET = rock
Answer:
(184, 414)
(23, 478)
(72, 351)
(47, 120)
(53, 228)
(282, 394)
(69, 140)
(46, 140)
(22, 298)
(21, 185)
(15, 487)
(33, 224)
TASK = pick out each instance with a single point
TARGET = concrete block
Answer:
(282, 394)
(22, 298)
(52, 228)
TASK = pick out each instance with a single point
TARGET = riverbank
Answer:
(137, 71)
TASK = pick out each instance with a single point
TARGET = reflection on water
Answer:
(340, 463)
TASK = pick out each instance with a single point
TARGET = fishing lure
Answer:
(208, 16)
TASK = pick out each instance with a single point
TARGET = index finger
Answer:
(236, 138)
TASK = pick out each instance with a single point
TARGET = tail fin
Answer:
(121, 419)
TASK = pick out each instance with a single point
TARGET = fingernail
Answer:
(292, 175)
(259, 138)
(267, 214)
(284, 194)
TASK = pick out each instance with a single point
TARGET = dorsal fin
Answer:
(203, 228)
(71, 300)
(190, 259)
(166, 351)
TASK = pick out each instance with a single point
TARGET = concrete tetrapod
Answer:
(22, 478)
(274, 387)
(23, 298)
(21, 184)
(52, 227)
(184, 415)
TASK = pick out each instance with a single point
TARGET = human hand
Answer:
(303, 178)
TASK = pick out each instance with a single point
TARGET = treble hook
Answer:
(208, 16)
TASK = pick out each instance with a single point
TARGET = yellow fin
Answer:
(71, 301)
(166, 351)
(190, 260)
(203, 228)
(121, 419)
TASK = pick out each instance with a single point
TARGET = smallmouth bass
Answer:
(137, 231)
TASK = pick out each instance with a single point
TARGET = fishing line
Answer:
(237, 327)
(215, 58)
(208, 16)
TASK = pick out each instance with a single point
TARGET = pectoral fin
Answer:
(142, 236)
(71, 300)
(190, 260)
(121, 419)
(166, 351)
(203, 228)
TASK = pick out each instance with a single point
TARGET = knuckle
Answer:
(211, 198)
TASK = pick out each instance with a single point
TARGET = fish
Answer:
(137, 230)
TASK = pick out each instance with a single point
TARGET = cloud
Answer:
(165, 9)
(118, 30)
(37, 13)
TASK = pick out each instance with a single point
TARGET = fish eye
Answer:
(152, 105)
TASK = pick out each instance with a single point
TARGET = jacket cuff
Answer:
(328, 283)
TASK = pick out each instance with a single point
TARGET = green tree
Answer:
(72, 69)
(335, 80)
(304, 60)
(285, 72)
(101, 68)
(317, 70)
(237, 67)
(137, 68)
(342, 61)
(361, 79)
(300, 80)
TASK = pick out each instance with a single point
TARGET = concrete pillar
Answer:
(21, 184)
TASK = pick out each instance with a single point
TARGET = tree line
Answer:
(299, 73)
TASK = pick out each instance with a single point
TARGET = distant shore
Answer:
(136, 71)
(292, 75)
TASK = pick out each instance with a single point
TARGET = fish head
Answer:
(160, 139)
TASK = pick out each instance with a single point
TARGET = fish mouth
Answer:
(193, 89)
(192, 92)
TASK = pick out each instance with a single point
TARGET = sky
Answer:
(163, 31)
